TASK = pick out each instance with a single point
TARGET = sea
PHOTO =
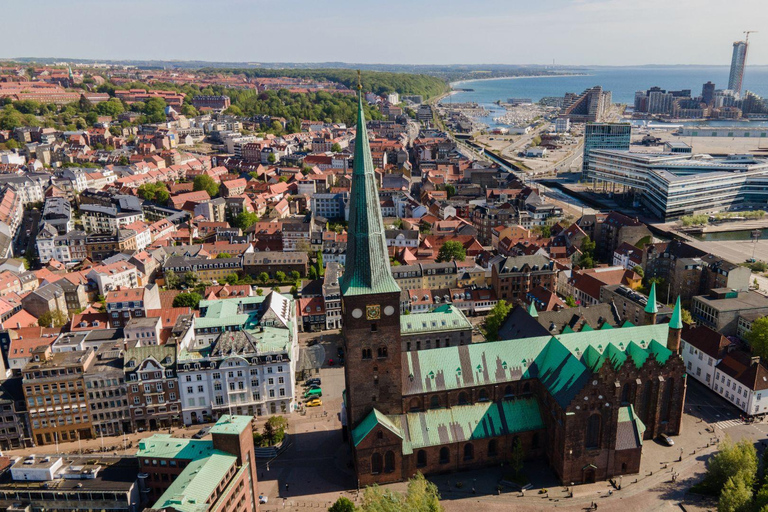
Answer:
(621, 81)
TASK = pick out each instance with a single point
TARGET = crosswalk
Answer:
(722, 425)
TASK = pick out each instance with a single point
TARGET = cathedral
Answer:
(586, 401)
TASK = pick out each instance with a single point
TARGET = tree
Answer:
(570, 301)
(274, 430)
(259, 292)
(586, 261)
(736, 496)
(205, 182)
(171, 279)
(295, 276)
(450, 190)
(271, 158)
(263, 277)
(686, 316)
(223, 255)
(53, 318)
(191, 279)
(637, 269)
(244, 220)
(733, 460)
(154, 110)
(588, 246)
(421, 496)
(189, 111)
(496, 318)
(518, 456)
(343, 504)
(280, 276)
(232, 279)
(234, 110)
(112, 107)
(320, 265)
(156, 192)
(336, 147)
(188, 299)
(758, 337)
(312, 272)
(452, 251)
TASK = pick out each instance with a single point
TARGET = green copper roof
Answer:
(561, 363)
(195, 485)
(163, 446)
(676, 322)
(532, 310)
(593, 359)
(651, 307)
(615, 355)
(367, 268)
(374, 418)
(444, 318)
(231, 424)
(438, 427)
(561, 373)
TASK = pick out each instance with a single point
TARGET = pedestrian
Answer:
(286, 486)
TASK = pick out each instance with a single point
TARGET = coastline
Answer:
(451, 84)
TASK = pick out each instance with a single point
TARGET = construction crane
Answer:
(749, 32)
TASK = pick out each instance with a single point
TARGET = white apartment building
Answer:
(252, 347)
(737, 376)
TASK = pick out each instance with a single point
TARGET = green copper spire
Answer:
(367, 268)
(651, 306)
(532, 310)
(677, 317)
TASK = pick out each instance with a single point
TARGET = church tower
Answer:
(370, 297)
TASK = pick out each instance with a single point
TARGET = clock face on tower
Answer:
(373, 312)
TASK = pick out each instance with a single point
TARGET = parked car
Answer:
(314, 380)
(201, 433)
(315, 402)
(666, 440)
(313, 386)
(313, 393)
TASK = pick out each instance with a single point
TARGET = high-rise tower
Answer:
(738, 61)
(370, 297)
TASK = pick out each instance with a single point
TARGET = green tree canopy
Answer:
(263, 277)
(421, 496)
(187, 299)
(244, 220)
(156, 192)
(295, 276)
(112, 107)
(205, 182)
(222, 255)
(637, 269)
(736, 496)
(171, 279)
(452, 251)
(55, 318)
(495, 319)
(343, 504)
(274, 430)
(758, 337)
(733, 460)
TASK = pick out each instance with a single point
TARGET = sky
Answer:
(572, 32)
